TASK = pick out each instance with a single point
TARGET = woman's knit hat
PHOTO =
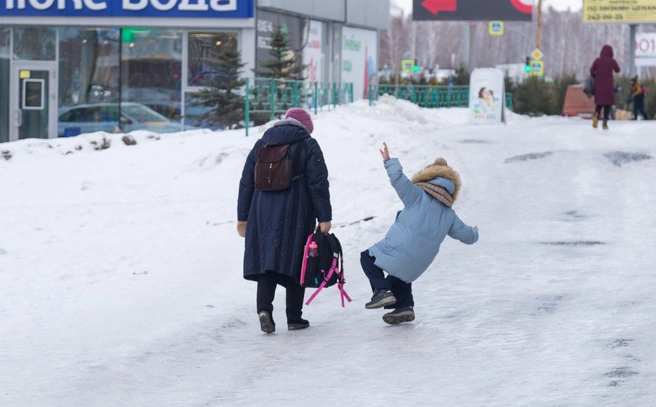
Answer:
(302, 116)
(439, 169)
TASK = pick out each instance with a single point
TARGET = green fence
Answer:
(428, 96)
(273, 97)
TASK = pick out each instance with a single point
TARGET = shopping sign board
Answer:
(473, 10)
(128, 8)
(619, 11)
(645, 49)
(487, 96)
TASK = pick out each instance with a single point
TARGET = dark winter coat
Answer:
(279, 222)
(602, 70)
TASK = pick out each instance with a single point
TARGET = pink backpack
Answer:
(322, 260)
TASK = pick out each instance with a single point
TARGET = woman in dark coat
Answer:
(276, 224)
(604, 86)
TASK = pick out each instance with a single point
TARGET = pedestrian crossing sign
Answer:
(496, 28)
(537, 68)
(407, 65)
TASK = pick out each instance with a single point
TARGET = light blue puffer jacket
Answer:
(414, 239)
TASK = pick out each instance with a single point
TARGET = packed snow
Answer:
(121, 280)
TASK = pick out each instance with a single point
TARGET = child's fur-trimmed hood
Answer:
(439, 169)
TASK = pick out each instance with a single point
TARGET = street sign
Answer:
(407, 65)
(472, 10)
(495, 28)
(537, 54)
(537, 68)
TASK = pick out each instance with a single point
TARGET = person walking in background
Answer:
(638, 98)
(604, 86)
(277, 221)
(414, 240)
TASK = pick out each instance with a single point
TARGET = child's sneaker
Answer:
(380, 299)
(266, 322)
(296, 325)
(405, 314)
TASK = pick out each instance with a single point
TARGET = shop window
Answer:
(88, 78)
(203, 51)
(5, 52)
(35, 43)
(151, 64)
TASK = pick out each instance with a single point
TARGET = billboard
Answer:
(473, 10)
(619, 11)
(645, 49)
(359, 59)
(486, 96)
(314, 52)
(128, 8)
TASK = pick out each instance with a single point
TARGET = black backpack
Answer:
(323, 264)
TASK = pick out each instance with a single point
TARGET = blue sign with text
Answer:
(128, 8)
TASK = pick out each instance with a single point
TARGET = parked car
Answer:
(207, 78)
(74, 120)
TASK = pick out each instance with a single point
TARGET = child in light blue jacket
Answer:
(414, 239)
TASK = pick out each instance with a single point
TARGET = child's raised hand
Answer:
(385, 152)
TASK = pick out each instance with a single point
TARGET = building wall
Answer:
(367, 13)
(320, 9)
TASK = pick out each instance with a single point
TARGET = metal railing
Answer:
(428, 96)
(274, 97)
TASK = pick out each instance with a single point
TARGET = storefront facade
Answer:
(76, 66)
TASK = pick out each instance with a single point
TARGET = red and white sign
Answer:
(646, 45)
(646, 49)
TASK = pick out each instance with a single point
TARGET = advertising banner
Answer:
(487, 96)
(645, 49)
(359, 59)
(128, 8)
(313, 56)
(473, 10)
(619, 11)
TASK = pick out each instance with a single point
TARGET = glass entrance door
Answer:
(33, 101)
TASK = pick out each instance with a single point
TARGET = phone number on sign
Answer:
(605, 17)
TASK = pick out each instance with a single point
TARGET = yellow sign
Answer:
(619, 11)
(495, 28)
(23, 74)
(537, 68)
(537, 54)
(407, 65)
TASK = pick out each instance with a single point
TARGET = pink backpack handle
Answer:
(305, 257)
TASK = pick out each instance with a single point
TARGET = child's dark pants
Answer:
(402, 291)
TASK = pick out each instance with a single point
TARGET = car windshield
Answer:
(142, 114)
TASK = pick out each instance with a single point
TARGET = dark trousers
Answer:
(402, 291)
(266, 293)
(639, 107)
(606, 111)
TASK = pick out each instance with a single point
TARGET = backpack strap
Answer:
(340, 284)
(305, 257)
(323, 283)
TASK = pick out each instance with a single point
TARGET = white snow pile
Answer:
(121, 280)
